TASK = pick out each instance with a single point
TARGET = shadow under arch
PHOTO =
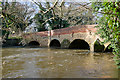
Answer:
(34, 44)
(98, 47)
(108, 49)
(79, 44)
(55, 43)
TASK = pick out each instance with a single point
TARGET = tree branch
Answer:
(98, 11)
(51, 7)
(48, 20)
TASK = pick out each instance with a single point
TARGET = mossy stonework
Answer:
(65, 43)
(80, 35)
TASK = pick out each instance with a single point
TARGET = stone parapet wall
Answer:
(83, 32)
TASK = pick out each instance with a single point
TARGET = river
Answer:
(56, 63)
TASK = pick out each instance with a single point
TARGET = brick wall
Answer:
(85, 32)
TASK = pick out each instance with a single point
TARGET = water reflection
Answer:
(57, 63)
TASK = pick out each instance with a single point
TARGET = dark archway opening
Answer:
(98, 47)
(79, 44)
(33, 44)
(55, 44)
(108, 49)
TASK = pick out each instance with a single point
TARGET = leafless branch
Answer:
(51, 7)
(48, 20)
(109, 13)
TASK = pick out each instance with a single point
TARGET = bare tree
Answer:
(16, 16)
(74, 13)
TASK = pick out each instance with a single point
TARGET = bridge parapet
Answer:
(83, 32)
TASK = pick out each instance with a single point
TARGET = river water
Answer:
(56, 63)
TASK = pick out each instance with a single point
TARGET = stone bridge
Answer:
(76, 37)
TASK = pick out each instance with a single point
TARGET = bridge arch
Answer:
(98, 47)
(79, 44)
(55, 43)
(34, 43)
(107, 49)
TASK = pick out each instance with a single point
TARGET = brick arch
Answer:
(33, 43)
(98, 47)
(107, 49)
(79, 44)
(85, 32)
(55, 43)
(86, 40)
(97, 38)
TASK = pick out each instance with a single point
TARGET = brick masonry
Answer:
(84, 32)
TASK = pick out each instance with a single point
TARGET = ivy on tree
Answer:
(109, 25)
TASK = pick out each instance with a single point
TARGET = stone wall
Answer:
(83, 32)
(11, 42)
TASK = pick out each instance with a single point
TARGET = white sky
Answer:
(61, 0)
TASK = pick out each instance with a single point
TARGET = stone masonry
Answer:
(69, 34)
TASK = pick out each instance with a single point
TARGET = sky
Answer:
(61, 0)
(46, 0)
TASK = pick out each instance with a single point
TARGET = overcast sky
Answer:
(61, 0)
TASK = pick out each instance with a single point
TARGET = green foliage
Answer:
(54, 21)
(63, 14)
(42, 19)
(109, 25)
(5, 33)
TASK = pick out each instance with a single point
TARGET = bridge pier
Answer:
(92, 47)
(48, 45)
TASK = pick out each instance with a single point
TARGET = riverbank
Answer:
(11, 43)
